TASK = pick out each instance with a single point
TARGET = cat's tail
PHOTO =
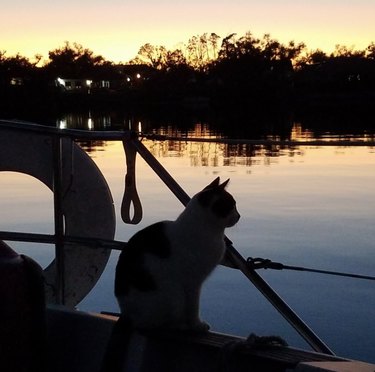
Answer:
(117, 347)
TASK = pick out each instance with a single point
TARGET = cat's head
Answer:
(218, 203)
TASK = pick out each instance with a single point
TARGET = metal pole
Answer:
(59, 220)
(284, 309)
(238, 261)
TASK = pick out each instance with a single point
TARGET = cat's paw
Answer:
(200, 326)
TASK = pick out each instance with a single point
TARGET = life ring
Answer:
(87, 205)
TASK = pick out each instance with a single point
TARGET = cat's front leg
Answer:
(193, 320)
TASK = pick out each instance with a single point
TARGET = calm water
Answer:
(306, 206)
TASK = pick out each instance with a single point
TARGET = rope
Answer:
(253, 342)
(130, 194)
(264, 263)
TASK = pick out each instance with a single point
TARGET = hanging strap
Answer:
(130, 194)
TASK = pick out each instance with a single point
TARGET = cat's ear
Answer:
(215, 183)
(205, 196)
(224, 184)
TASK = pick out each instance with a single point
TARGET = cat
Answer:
(161, 270)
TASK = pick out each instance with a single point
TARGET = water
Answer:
(305, 206)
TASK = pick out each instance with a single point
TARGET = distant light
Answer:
(90, 124)
(89, 82)
(138, 76)
(128, 79)
(61, 81)
(63, 124)
(139, 127)
(16, 81)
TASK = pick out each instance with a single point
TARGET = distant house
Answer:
(74, 84)
(103, 84)
(16, 81)
(121, 76)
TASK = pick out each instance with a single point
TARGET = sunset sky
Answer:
(116, 29)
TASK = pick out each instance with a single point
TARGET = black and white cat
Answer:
(161, 270)
(160, 273)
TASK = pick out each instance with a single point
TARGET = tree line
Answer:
(235, 68)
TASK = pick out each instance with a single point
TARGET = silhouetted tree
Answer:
(197, 51)
(213, 40)
(15, 67)
(249, 68)
(346, 52)
(155, 56)
(73, 61)
(370, 51)
(312, 57)
(175, 59)
(227, 47)
(242, 69)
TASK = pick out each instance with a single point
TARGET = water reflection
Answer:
(301, 205)
(298, 133)
(203, 154)
(174, 140)
(218, 153)
(197, 130)
(93, 146)
(84, 120)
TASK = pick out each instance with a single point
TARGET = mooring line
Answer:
(264, 263)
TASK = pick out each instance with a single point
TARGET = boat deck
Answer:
(77, 342)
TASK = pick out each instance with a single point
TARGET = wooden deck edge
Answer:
(92, 330)
(338, 366)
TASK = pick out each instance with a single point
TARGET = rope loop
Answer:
(253, 342)
(130, 194)
(264, 341)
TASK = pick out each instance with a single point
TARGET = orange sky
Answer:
(117, 28)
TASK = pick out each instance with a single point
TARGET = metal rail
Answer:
(58, 239)
(93, 243)
(237, 261)
(59, 220)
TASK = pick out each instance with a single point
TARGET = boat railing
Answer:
(233, 257)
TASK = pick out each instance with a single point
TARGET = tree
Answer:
(73, 61)
(344, 51)
(197, 52)
(155, 56)
(316, 56)
(228, 46)
(175, 59)
(370, 51)
(15, 66)
(213, 39)
(202, 50)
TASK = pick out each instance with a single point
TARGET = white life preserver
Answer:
(87, 205)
